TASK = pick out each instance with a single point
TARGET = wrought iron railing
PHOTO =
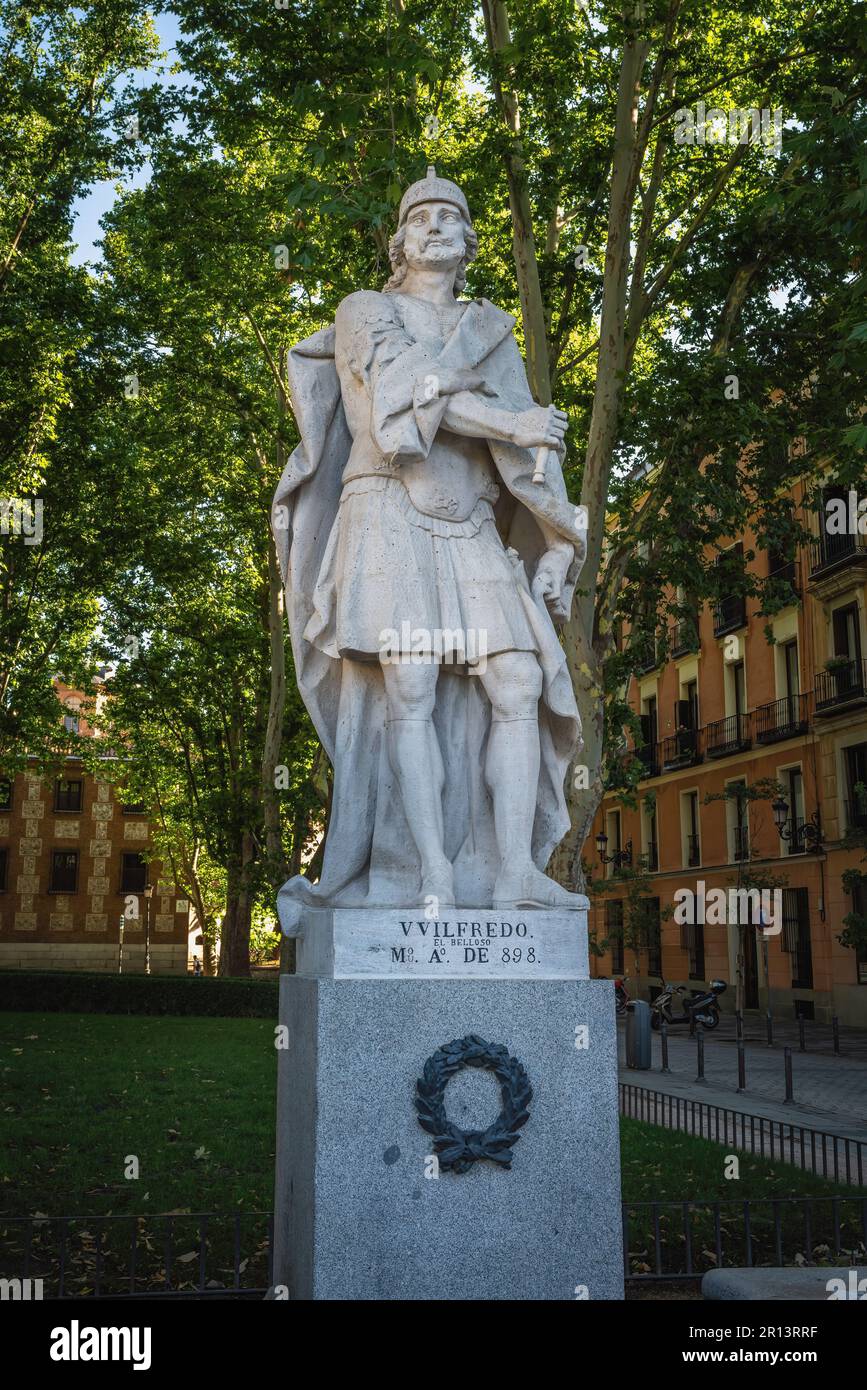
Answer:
(730, 613)
(840, 683)
(780, 719)
(829, 551)
(681, 749)
(649, 756)
(693, 852)
(740, 843)
(856, 814)
(725, 736)
(195, 1255)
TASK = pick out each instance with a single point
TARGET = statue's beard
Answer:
(436, 256)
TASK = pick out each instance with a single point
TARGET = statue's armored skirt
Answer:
(393, 578)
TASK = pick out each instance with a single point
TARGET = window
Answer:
(791, 669)
(612, 830)
(4, 861)
(856, 787)
(847, 639)
(737, 820)
(652, 935)
(649, 736)
(690, 825)
(692, 941)
(5, 794)
(859, 906)
(132, 808)
(133, 874)
(67, 795)
(614, 933)
(64, 871)
(796, 936)
(651, 846)
(795, 796)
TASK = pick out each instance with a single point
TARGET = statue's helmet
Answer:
(432, 189)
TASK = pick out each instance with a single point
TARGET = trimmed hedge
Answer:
(88, 992)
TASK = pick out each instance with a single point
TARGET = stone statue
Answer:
(425, 568)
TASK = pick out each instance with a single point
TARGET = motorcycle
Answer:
(621, 996)
(701, 1006)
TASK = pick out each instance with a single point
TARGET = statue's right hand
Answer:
(542, 424)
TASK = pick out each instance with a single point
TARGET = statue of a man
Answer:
(425, 569)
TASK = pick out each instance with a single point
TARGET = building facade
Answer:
(727, 710)
(74, 877)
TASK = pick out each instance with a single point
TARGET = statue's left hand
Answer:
(551, 572)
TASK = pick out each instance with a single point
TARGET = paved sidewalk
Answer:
(830, 1092)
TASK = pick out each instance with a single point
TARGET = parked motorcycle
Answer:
(700, 1005)
(621, 996)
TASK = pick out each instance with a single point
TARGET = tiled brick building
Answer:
(71, 869)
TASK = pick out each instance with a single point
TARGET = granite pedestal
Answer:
(362, 1210)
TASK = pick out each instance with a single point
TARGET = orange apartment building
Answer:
(72, 866)
(725, 706)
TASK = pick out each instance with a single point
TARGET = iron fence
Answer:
(683, 1240)
(172, 1254)
(832, 1156)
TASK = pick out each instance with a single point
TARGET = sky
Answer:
(91, 206)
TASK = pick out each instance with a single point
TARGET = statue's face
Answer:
(434, 237)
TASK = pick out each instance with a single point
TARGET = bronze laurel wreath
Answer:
(457, 1148)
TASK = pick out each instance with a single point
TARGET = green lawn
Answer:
(194, 1100)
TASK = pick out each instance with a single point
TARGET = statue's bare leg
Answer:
(513, 684)
(416, 760)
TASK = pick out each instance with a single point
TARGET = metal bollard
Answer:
(739, 1025)
(742, 1067)
(790, 1092)
(802, 1042)
(835, 1029)
(770, 1028)
(638, 1035)
(699, 1039)
(663, 1033)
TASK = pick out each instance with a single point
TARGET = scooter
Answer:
(701, 1006)
(621, 996)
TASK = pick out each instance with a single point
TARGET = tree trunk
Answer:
(235, 935)
(523, 241)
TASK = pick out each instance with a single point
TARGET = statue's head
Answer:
(434, 231)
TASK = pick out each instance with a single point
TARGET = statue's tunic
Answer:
(384, 516)
(415, 547)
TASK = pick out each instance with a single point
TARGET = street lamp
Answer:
(788, 830)
(619, 858)
(149, 892)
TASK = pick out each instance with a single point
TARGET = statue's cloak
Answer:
(370, 857)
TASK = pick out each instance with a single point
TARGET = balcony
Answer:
(856, 814)
(841, 686)
(726, 736)
(693, 852)
(648, 657)
(829, 555)
(651, 854)
(784, 576)
(740, 844)
(729, 614)
(681, 750)
(781, 719)
(649, 756)
(798, 842)
(683, 637)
